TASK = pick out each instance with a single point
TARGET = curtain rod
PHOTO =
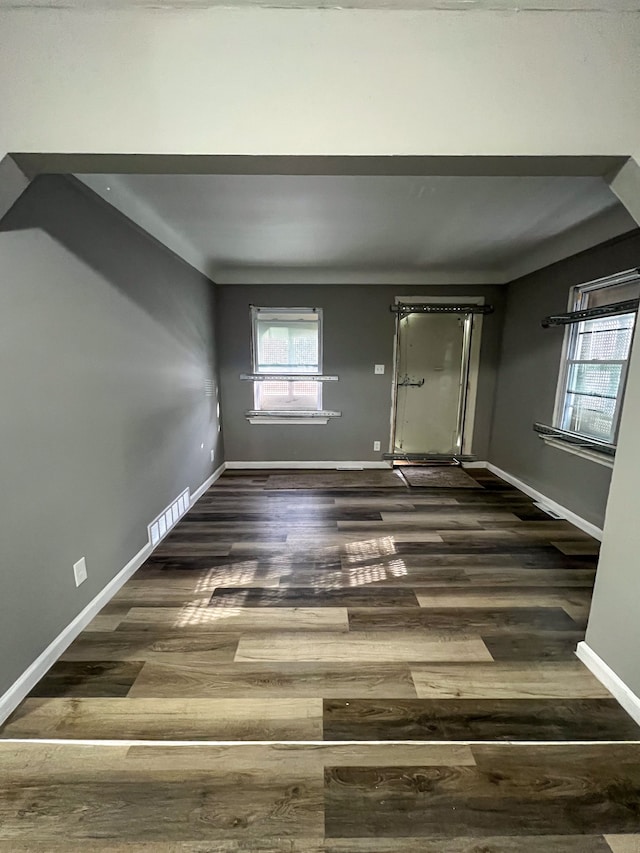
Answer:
(439, 308)
(613, 310)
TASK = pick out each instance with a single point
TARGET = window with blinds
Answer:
(594, 372)
(287, 340)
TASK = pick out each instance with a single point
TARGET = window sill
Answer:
(303, 418)
(582, 452)
(300, 421)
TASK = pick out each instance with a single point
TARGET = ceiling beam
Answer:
(198, 164)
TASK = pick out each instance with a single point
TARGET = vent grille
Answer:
(168, 518)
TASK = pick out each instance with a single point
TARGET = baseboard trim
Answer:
(606, 676)
(199, 492)
(477, 464)
(256, 466)
(569, 515)
(10, 700)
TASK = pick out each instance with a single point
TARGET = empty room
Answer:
(320, 402)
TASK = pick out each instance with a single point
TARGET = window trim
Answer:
(576, 298)
(288, 416)
(255, 311)
(589, 453)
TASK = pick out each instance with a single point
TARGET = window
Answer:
(592, 381)
(287, 341)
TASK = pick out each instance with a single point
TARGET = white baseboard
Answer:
(474, 464)
(208, 483)
(256, 466)
(567, 514)
(606, 676)
(10, 700)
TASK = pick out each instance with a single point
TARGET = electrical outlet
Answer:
(80, 571)
(213, 455)
(376, 445)
(378, 368)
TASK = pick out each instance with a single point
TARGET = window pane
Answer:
(287, 340)
(608, 295)
(605, 338)
(596, 380)
(597, 354)
(288, 346)
(591, 416)
(294, 396)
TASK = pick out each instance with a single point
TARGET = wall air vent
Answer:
(168, 518)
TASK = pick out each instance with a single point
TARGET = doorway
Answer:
(436, 365)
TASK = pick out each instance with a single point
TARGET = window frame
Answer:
(577, 299)
(254, 317)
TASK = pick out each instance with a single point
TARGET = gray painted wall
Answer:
(106, 347)
(528, 377)
(614, 628)
(13, 182)
(358, 333)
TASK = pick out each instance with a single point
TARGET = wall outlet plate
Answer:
(376, 445)
(80, 571)
(378, 368)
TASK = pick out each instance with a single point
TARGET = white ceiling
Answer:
(372, 229)
(451, 5)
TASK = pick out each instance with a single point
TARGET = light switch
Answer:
(378, 368)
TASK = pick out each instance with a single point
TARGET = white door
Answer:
(431, 376)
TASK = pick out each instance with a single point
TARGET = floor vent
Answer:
(550, 512)
(167, 519)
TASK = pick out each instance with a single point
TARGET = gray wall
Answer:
(106, 346)
(528, 377)
(358, 333)
(614, 628)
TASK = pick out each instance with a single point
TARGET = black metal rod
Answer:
(287, 377)
(613, 310)
(439, 308)
(576, 439)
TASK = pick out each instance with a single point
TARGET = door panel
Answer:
(430, 356)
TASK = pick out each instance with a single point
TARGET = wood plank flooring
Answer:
(456, 611)
(491, 798)
(440, 624)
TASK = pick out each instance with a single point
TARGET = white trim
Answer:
(475, 464)
(199, 492)
(606, 676)
(10, 700)
(305, 464)
(576, 450)
(299, 421)
(565, 513)
(30, 677)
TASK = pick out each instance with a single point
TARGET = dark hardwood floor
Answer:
(404, 656)
(389, 798)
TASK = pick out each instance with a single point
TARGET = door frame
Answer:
(473, 368)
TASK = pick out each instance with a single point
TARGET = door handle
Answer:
(406, 382)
